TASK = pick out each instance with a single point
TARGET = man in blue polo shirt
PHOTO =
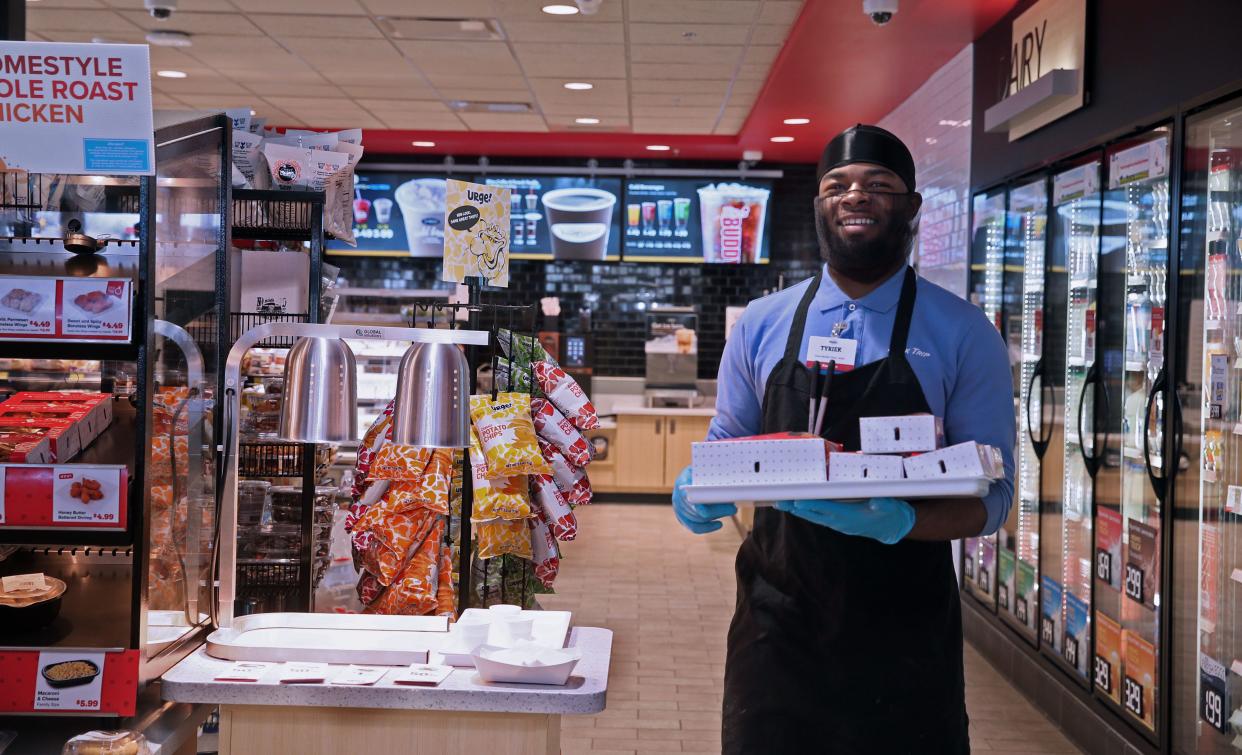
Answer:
(847, 634)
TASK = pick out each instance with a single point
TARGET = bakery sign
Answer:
(76, 108)
(1044, 76)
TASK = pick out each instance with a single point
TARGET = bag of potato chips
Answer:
(499, 497)
(500, 537)
(507, 435)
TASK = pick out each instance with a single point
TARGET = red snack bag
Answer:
(369, 588)
(546, 557)
(565, 393)
(553, 427)
(571, 480)
(555, 508)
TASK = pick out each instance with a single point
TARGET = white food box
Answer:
(969, 459)
(848, 467)
(900, 435)
(778, 457)
(275, 281)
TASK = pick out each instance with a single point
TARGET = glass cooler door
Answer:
(1018, 565)
(988, 277)
(1207, 521)
(1066, 545)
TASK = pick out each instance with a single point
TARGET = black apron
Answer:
(843, 644)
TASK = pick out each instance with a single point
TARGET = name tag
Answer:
(840, 350)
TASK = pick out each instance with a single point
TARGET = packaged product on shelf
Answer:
(61, 439)
(446, 597)
(501, 536)
(257, 125)
(510, 378)
(911, 433)
(544, 552)
(20, 447)
(349, 136)
(553, 427)
(399, 462)
(762, 459)
(338, 206)
(522, 349)
(555, 508)
(296, 168)
(857, 467)
(311, 140)
(414, 591)
(394, 537)
(969, 459)
(567, 395)
(496, 498)
(571, 480)
(507, 434)
(248, 158)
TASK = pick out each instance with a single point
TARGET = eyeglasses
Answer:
(833, 193)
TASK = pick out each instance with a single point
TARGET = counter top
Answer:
(621, 404)
(193, 681)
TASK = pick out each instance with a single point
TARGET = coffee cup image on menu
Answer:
(579, 222)
(421, 201)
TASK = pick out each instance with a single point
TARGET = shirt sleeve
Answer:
(980, 408)
(738, 410)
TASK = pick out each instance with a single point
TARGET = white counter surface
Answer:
(193, 681)
(621, 404)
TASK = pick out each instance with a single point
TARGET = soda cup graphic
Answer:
(421, 201)
(664, 212)
(633, 214)
(732, 217)
(681, 216)
(383, 210)
(649, 218)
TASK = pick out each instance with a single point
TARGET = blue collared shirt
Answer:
(958, 357)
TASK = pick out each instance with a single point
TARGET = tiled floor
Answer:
(668, 595)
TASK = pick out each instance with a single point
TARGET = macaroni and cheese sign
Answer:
(76, 108)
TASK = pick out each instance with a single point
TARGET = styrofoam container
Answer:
(856, 467)
(551, 666)
(969, 459)
(912, 433)
(907, 490)
(760, 459)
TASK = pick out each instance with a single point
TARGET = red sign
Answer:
(32, 681)
(44, 496)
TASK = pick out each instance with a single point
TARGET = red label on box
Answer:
(32, 681)
(71, 495)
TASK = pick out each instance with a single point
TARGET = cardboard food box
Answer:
(97, 405)
(758, 459)
(912, 433)
(19, 447)
(63, 437)
(856, 467)
(969, 459)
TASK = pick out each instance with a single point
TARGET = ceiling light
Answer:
(578, 86)
(171, 74)
(253, 113)
(169, 39)
(560, 10)
(797, 121)
(658, 147)
(423, 144)
(587, 121)
(782, 139)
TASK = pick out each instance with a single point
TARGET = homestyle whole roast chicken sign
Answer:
(76, 108)
(476, 233)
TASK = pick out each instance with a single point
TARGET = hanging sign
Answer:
(76, 108)
(1143, 162)
(476, 233)
(1076, 183)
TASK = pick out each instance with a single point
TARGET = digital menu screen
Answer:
(396, 215)
(563, 217)
(679, 220)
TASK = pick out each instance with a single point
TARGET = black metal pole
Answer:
(13, 20)
(467, 473)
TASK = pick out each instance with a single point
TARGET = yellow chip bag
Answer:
(507, 435)
(496, 498)
(501, 537)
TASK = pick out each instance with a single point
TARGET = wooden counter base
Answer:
(299, 730)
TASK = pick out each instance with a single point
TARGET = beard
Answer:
(865, 260)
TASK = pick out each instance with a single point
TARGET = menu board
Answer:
(396, 215)
(563, 217)
(679, 220)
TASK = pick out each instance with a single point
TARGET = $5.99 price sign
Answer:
(59, 684)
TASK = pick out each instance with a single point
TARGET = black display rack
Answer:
(276, 216)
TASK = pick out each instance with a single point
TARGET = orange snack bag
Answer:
(414, 591)
(500, 537)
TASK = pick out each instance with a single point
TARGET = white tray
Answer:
(975, 487)
(329, 638)
(550, 630)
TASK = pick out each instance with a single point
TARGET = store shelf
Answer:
(118, 443)
(240, 322)
(95, 609)
(275, 215)
(111, 351)
(274, 459)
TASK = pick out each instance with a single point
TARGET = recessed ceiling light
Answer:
(797, 121)
(587, 121)
(782, 139)
(560, 10)
(169, 39)
(578, 86)
(253, 113)
(172, 74)
(658, 147)
(423, 144)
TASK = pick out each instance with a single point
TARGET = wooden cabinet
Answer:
(651, 450)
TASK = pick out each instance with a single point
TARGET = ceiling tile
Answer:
(725, 56)
(165, 102)
(556, 110)
(314, 7)
(749, 88)
(302, 75)
(531, 10)
(211, 6)
(135, 37)
(566, 123)
(692, 71)
(765, 34)
(363, 55)
(60, 19)
(431, 8)
(593, 32)
(749, 71)
(456, 57)
(219, 101)
(284, 26)
(501, 122)
(606, 91)
(291, 89)
(761, 54)
(687, 34)
(645, 112)
(572, 61)
(199, 84)
(196, 23)
(76, 4)
(675, 86)
(380, 89)
(688, 99)
(693, 11)
(453, 81)
(422, 121)
(779, 12)
(512, 94)
(403, 106)
(673, 125)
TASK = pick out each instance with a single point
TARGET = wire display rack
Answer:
(277, 215)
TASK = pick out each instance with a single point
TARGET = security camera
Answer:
(160, 9)
(880, 11)
(589, 7)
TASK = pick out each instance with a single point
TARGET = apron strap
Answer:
(905, 312)
(794, 344)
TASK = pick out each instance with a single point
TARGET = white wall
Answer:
(935, 123)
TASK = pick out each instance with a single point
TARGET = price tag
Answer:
(27, 306)
(245, 671)
(1134, 583)
(86, 496)
(96, 307)
(1104, 567)
(69, 680)
(23, 583)
(1047, 630)
(968, 562)
(1002, 592)
(1104, 674)
(1213, 702)
(985, 579)
(359, 676)
(422, 675)
(302, 672)
(1070, 651)
(1022, 611)
(1132, 692)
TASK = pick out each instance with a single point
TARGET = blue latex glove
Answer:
(885, 519)
(699, 518)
